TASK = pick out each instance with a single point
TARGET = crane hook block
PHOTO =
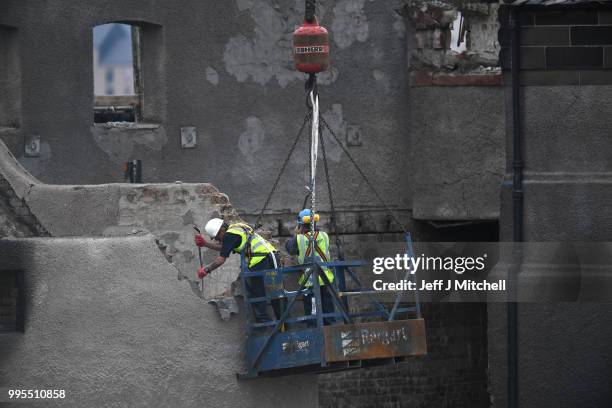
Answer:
(311, 47)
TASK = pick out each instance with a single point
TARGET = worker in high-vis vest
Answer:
(303, 247)
(260, 254)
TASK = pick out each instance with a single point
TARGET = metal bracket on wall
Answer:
(189, 137)
(353, 135)
(32, 146)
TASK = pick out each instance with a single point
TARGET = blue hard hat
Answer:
(304, 213)
(305, 216)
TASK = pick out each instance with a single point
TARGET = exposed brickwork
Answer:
(434, 62)
(453, 374)
(16, 219)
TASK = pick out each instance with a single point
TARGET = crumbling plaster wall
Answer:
(168, 211)
(228, 72)
(430, 36)
(106, 317)
(107, 322)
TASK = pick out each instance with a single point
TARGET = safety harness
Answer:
(316, 246)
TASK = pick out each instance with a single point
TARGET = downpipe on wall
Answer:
(517, 210)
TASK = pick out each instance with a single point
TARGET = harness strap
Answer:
(317, 248)
(321, 254)
(309, 248)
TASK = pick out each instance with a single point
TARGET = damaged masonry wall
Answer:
(435, 49)
(105, 315)
(167, 211)
(458, 158)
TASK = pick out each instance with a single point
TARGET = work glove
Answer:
(199, 240)
(202, 272)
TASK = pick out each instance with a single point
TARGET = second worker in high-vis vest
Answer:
(300, 246)
(259, 253)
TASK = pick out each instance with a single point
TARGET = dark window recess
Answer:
(574, 57)
(573, 17)
(114, 114)
(11, 301)
(597, 35)
(545, 36)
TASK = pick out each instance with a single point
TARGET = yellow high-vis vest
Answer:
(321, 252)
(258, 247)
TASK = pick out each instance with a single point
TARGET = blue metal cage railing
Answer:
(290, 344)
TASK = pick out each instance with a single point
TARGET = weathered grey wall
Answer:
(458, 155)
(9, 78)
(228, 71)
(107, 321)
(456, 111)
(567, 185)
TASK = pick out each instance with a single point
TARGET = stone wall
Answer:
(567, 183)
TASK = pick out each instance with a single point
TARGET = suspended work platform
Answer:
(295, 343)
(360, 330)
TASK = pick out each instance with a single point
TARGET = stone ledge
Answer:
(425, 78)
(127, 126)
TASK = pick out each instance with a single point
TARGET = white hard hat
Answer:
(213, 226)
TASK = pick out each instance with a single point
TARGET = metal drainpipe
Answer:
(517, 207)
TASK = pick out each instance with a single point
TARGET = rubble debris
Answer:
(431, 50)
(226, 306)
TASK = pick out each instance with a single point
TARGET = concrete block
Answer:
(545, 36)
(591, 35)
(563, 17)
(550, 78)
(574, 57)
